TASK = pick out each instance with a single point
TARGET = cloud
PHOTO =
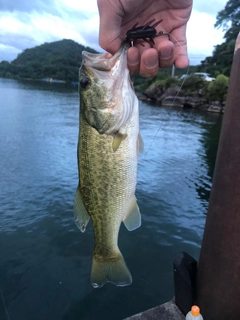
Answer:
(201, 40)
(89, 6)
(22, 30)
(25, 24)
(8, 53)
(59, 8)
(28, 6)
(209, 7)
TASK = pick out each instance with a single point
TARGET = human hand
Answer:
(117, 17)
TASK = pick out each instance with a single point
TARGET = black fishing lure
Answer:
(145, 33)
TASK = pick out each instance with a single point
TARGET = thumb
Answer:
(110, 25)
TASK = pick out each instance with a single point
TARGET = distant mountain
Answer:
(57, 60)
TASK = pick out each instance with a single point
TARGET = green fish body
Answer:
(108, 147)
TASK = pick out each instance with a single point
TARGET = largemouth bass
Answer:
(108, 147)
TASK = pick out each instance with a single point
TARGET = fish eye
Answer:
(84, 82)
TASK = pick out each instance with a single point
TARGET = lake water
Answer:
(45, 260)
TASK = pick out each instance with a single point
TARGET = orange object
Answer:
(195, 310)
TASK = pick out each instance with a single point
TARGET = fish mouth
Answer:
(105, 61)
(110, 80)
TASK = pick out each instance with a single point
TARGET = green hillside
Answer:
(58, 60)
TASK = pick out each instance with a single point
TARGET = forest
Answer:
(57, 60)
(61, 59)
(221, 60)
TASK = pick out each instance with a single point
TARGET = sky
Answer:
(28, 23)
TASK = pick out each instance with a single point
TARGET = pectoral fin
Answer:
(133, 218)
(118, 138)
(80, 213)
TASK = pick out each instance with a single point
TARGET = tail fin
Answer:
(115, 272)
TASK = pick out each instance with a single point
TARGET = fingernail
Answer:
(166, 53)
(150, 62)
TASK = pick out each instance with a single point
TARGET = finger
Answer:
(178, 37)
(149, 64)
(166, 53)
(133, 57)
(110, 26)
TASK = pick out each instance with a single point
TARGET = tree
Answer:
(229, 19)
(58, 60)
(221, 60)
(217, 90)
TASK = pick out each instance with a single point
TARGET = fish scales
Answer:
(113, 177)
(107, 164)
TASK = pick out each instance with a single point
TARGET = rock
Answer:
(142, 97)
(174, 92)
(215, 107)
(194, 102)
(184, 102)
(154, 91)
(176, 97)
(173, 101)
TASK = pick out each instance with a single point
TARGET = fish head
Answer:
(106, 93)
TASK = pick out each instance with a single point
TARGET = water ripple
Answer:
(45, 260)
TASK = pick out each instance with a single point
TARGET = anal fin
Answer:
(80, 213)
(132, 220)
